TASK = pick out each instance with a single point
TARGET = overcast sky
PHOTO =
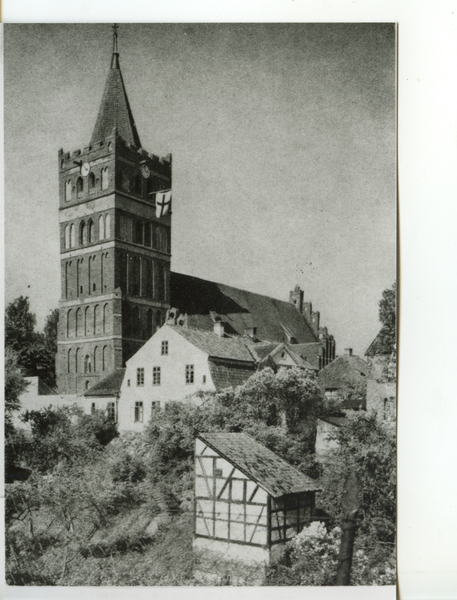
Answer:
(284, 154)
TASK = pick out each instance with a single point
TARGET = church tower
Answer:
(115, 249)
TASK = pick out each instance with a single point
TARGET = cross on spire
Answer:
(115, 27)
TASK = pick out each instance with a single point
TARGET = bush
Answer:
(128, 468)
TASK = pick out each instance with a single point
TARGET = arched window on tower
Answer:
(69, 318)
(101, 227)
(79, 323)
(105, 318)
(138, 184)
(105, 359)
(158, 321)
(97, 324)
(68, 190)
(87, 364)
(105, 178)
(86, 321)
(72, 236)
(138, 232)
(96, 359)
(67, 237)
(91, 183)
(91, 232)
(147, 235)
(149, 331)
(77, 360)
(79, 187)
(136, 322)
(82, 234)
(69, 358)
(107, 226)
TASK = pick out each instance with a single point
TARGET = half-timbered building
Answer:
(248, 501)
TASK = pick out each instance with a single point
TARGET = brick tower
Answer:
(115, 250)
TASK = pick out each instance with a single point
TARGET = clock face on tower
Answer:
(85, 169)
(145, 171)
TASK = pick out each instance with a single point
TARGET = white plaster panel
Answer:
(247, 554)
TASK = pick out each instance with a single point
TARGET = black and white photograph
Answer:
(201, 304)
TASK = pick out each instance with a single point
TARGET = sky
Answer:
(283, 139)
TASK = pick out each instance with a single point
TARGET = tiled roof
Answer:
(337, 421)
(114, 111)
(242, 309)
(261, 351)
(276, 476)
(226, 374)
(109, 386)
(215, 345)
(342, 371)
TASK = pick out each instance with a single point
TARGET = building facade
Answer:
(114, 249)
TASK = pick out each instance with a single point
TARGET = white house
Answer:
(177, 362)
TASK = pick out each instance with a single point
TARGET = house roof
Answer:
(226, 374)
(241, 309)
(114, 111)
(337, 421)
(342, 371)
(109, 386)
(215, 345)
(376, 345)
(263, 351)
(276, 476)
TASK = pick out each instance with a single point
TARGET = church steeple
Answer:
(115, 112)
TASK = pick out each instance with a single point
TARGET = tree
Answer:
(388, 316)
(15, 384)
(367, 449)
(19, 324)
(50, 330)
(35, 351)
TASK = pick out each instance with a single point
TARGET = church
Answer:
(117, 287)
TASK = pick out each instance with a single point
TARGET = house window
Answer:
(189, 373)
(156, 376)
(155, 405)
(204, 379)
(111, 411)
(128, 382)
(138, 418)
(164, 347)
(92, 408)
(140, 377)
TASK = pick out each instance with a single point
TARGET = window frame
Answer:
(140, 377)
(138, 412)
(164, 348)
(156, 376)
(190, 374)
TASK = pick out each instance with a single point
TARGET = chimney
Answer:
(296, 298)
(348, 352)
(219, 328)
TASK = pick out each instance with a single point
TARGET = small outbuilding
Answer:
(248, 501)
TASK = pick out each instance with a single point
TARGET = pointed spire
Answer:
(114, 112)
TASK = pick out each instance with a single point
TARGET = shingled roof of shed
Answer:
(109, 386)
(226, 374)
(242, 309)
(276, 476)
